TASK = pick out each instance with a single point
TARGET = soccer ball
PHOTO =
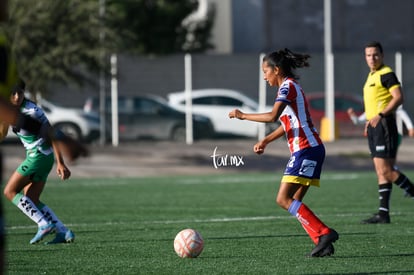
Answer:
(188, 243)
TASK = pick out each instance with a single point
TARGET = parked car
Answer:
(150, 117)
(73, 122)
(216, 105)
(316, 104)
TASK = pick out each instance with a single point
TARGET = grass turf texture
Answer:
(127, 226)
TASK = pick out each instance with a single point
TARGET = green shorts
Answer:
(36, 166)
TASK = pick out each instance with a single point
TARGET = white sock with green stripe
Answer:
(26, 205)
(51, 217)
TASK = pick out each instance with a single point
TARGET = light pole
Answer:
(102, 93)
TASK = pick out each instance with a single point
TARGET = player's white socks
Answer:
(51, 217)
(26, 205)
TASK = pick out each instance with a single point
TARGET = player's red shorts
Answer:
(305, 166)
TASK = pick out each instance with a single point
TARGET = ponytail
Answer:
(287, 60)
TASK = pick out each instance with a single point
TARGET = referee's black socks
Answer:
(404, 183)
(384, 198)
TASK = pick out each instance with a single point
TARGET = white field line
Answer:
(221, 180)
(275, 178)
(212, 220)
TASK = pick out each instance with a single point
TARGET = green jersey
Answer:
(33, 143)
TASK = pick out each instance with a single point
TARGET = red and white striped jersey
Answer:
(295, 118)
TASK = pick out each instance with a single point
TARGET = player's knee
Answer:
(387, 175)
(282, 202)
(9, 194)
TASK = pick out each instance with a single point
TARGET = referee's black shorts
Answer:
(383, 139)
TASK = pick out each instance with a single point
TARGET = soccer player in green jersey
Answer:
(28, 181)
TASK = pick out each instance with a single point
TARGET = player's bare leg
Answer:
(290, 197)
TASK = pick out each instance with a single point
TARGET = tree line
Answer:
(69, 41)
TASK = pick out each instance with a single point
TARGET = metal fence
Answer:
(162, 75)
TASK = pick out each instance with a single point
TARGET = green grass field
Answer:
(127, 226)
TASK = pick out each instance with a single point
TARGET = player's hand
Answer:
(374, 121)
(259, 148)
(62, 171)
(351, 112)
(71, 149)
(236, 113)
(366, 129)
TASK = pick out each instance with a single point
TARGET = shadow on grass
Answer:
(377, 256)
(255, 237)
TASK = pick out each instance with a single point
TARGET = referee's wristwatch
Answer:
(381, 115)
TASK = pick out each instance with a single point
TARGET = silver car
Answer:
(150, 117)
(73, 122)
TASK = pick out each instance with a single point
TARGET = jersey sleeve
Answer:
(389, 80)
(34, 111)
(405, 118)
(284, 94)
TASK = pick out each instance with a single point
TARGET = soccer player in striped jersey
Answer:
(307, 150)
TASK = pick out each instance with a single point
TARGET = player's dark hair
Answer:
(375, 44)
(19, 87)
(287, 61)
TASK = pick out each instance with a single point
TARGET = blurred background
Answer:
(63, 49)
